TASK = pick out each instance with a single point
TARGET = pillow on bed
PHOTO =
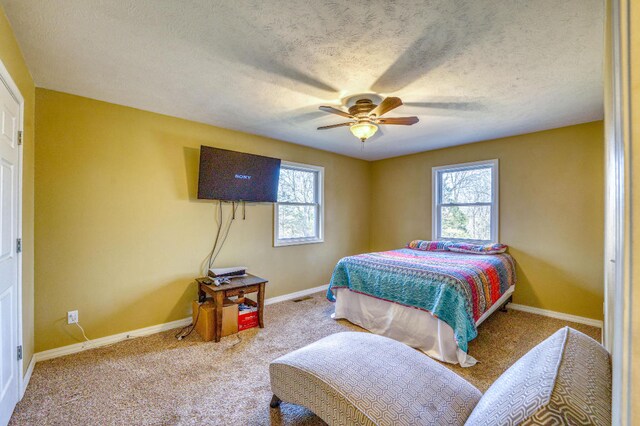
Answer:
(477, 248)
(429, 245)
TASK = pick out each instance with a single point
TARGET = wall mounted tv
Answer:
(237, 176)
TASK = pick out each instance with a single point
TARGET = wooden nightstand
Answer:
(237, 287)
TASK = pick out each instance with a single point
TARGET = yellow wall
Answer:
(551, 210)
(120, 234)
(11, 57)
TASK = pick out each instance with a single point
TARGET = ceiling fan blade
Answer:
(349, 123)
(406, 121)
(333, 110)
(386, 105)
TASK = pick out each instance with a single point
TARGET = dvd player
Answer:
(234, 271)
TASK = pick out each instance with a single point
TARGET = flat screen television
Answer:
(237, 176)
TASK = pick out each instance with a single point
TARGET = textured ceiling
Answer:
(471, 70)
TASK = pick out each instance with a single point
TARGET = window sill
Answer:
(285, 243)
(462, 240)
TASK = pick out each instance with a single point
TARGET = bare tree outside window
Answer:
(298, 207)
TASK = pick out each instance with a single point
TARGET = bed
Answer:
(430, 300)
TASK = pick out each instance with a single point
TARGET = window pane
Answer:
(466, 186)
(296, 221)
(297, 186)
(468, 222)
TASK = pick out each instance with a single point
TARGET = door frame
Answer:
(618, 256)
(7, 80)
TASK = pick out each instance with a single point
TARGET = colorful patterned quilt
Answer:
(455, 287)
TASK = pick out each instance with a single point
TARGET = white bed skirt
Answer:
(416, 328)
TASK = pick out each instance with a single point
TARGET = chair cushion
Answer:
(361, 378)
(564, 380)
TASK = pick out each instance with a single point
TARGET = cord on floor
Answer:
(180, 334)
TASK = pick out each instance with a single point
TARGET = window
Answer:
(465, 202)
(299, 211)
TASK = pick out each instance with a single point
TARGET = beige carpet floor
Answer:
(158, 380)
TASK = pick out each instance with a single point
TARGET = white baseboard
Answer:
(109, 340)
(27, 376)
(296, 294)
(557, 315)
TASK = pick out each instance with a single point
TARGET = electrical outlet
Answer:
(72, 317)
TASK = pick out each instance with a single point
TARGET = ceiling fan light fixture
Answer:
(363, 131)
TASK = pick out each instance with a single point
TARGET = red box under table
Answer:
(247, 319)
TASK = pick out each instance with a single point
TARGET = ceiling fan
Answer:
(367, 116)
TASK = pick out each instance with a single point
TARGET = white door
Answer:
(9, 193)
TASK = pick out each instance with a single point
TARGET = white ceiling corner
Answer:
(470, 71)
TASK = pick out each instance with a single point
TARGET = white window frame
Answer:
(436, 215)
(319, 238)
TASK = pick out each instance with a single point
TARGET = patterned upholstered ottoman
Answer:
(364, 379)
